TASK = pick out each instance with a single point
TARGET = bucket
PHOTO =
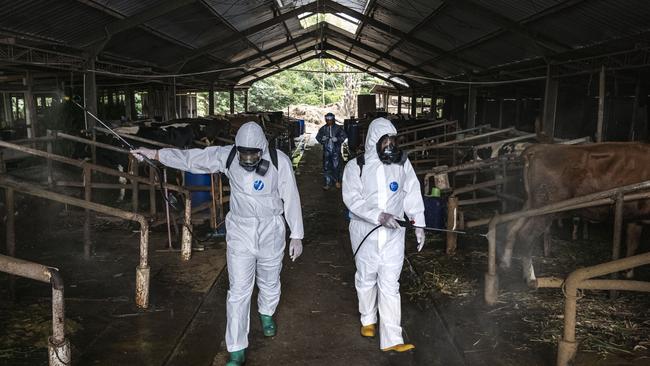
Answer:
(193, 180)
(434, 212)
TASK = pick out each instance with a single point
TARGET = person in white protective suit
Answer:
(261, 190)
(379, 187)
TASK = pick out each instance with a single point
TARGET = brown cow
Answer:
(555, 173)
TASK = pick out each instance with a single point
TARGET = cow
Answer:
(181, 133)
(554, 173)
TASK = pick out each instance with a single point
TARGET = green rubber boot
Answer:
(237, 358)
(268, 325)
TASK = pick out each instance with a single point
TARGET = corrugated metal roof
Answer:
(460, 33)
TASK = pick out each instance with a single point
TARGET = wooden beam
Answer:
(280, 47)
(332, 31)
(276, 62)
(549, 114)
(283, 69)
(417, 27)
(225, 21)
(311, 7)
(535, 17)
(471, 108)
(369, 62)
(601, 106)
(334, 57)
(510, 25)
(385, 28)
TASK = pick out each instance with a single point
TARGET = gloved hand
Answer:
(295, 249)
(334, 139)
(388, 220)
(420, 236)
(143, 151)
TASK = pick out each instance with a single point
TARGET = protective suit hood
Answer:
(251, 135)
(378, 128)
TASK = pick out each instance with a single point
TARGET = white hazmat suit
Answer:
(255, 229)
(389, 188)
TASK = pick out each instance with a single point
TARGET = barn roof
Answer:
(419, 41)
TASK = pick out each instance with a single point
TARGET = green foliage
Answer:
(315, 82)
(308, 83)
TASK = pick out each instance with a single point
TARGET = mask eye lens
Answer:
(388, 150)
(248, 157)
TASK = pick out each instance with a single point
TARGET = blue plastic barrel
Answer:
(198, 197)
(302, 126)
(434, 212)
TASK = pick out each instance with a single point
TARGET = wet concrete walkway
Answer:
(318, 321)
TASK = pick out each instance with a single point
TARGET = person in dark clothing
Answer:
(331, 136)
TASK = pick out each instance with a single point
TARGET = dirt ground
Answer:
(443, 313)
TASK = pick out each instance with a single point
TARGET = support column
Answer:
(433, 105)
(414, 105)
(245, 100)
(601, 106)
(399, 103)
(174, 108)
(211, 100)
(500, 112)
(550, 101)
(128, 102)
(471, 108)
(6, 100)
(232, 100)
(30, 106)
(90, 92)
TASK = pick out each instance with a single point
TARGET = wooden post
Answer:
(547, 244)
(245, 100)
(174, 106)
(50, 176)
(550, 101)
(10, 235)
(232, 100)
(500, 124)
(414, 104)
(471, 108)
(128, 101)
(618, 235)
(452, 224)
(399, 103)
(135, 192)
(30, 106)
(11, 222)
(211, 100)
(601, 106)
(87, 179)
(152, 192)
(6, 100)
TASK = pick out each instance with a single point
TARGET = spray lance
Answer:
(406, 223)
(169, 199)
(76, 99)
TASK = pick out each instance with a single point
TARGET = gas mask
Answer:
(251, 160)
(389, 152)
